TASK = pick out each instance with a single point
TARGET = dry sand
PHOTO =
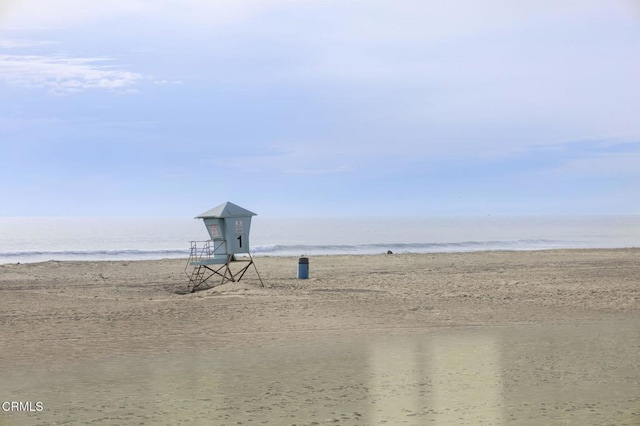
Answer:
(546, 337)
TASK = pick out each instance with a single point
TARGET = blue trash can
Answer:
(303, 268)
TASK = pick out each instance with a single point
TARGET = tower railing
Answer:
(200, 250)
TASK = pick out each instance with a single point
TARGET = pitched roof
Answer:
(227, 209)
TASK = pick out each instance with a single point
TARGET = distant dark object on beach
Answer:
(389, 252)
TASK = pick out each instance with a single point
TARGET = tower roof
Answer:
(227, 209)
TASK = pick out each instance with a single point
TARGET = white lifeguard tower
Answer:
(228, 226)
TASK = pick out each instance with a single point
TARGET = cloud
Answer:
(601, 159)
(406, 18)
(19, 44)
(41, 14)
(604, 166)
(62, 74)
(303, 159)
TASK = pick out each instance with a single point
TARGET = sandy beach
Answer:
(540, 337)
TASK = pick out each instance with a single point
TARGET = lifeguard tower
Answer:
(228, 226)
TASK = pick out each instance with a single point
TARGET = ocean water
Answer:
(41, 239)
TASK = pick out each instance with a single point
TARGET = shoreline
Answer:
(112, 257)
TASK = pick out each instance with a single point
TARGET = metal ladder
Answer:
(197, 277)
(196, 253)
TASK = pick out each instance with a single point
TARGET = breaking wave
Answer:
(466, 246)
(127, 254)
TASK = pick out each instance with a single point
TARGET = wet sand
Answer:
(549, 337)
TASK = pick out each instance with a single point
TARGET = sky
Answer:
(319, 107)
